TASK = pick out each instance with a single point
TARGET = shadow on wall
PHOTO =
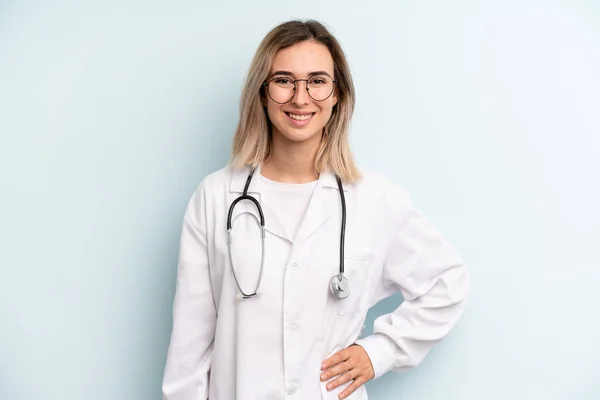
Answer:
(385, 306)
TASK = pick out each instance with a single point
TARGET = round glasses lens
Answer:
(282, 89)
(320, 87)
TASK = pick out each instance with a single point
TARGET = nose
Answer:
(301, 94)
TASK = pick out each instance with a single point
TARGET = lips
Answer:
(300, 116)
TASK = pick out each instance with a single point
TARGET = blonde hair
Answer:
(252, 139)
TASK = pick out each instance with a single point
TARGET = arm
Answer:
(194, 313)
(431, 276)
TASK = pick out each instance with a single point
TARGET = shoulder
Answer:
(379, 186)
(217, 180)
(214, 185)
(386, 201)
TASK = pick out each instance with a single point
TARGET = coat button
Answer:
(292, 389)
(295, 266)
(296, 325)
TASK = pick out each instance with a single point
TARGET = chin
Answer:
(300, 135)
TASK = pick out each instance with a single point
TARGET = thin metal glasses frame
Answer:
(266, 86)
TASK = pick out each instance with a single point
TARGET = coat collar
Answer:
(320, 207)
(240, 176)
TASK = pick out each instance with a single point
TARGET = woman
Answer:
(267, 313)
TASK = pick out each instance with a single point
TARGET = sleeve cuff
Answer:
(381, 350)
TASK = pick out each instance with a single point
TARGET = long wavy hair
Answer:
(252, 140)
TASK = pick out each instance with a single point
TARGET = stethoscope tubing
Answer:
(336, 287)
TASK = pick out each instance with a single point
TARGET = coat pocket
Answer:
(358, 274)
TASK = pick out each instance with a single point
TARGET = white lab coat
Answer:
(270, 347)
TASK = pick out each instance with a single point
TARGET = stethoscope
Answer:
(338, 285)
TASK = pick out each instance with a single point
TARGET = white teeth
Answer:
(300, 117)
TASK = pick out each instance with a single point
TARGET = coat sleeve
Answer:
(194, 312)
(431, 276)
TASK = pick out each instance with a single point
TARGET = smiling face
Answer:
(302, 118)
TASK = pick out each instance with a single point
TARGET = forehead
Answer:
(303, 58)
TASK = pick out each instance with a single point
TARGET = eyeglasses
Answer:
(281, 89)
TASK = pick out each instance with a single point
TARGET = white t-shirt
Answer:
(290, 202)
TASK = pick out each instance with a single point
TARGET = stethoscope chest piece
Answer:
(339, 286)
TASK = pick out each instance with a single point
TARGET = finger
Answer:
(345, 377)
(335, 359)
(352, 387)
(336, 370)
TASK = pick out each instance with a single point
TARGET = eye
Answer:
(318, 81)
(282, 81)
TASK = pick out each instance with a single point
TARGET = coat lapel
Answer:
(324, 202)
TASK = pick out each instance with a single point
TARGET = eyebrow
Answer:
(310, 74)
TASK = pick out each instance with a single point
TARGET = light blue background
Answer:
(488, 112)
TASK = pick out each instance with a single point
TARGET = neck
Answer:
(292, 162)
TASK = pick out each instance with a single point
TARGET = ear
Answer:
(263, 98)
(335, 96)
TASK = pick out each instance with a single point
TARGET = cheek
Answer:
(274, 113)
(326, 113)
